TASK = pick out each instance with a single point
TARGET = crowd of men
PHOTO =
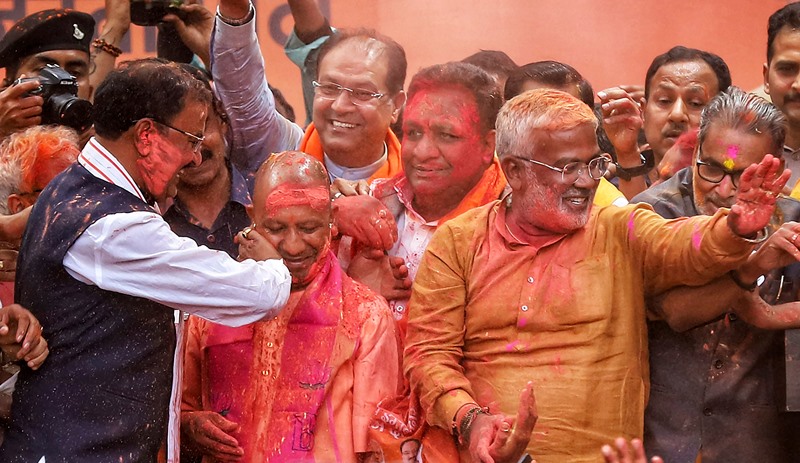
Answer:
(493, 263)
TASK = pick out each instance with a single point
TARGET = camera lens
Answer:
(69, 110)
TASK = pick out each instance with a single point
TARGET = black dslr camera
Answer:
(150, 12)
(59, 89)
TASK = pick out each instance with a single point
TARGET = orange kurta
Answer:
(311, 144)
(362, 370)
(488, 315)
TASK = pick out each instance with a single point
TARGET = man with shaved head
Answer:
(306, 383)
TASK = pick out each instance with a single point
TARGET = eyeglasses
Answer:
(596, 168)
(194, 141)
(359, 97)
(715, 174)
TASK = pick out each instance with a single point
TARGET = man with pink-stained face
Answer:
(116, 275)
(305, 385)
(541, 295)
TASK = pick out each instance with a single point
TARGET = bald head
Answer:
(293, 167)
(292, 207)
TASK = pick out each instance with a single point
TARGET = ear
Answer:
(489, 141)
(250, 212)
(399, 101)
(765, 71)
(16, 203)
(514, 171)
(142, 136)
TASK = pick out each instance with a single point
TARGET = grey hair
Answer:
(540, 109)
(745, 112)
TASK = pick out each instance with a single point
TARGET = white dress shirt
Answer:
(136, 253)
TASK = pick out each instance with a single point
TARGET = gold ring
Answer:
(382, 213)
(246, 232)
(3, 264)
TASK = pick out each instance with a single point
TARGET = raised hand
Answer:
(758, 190)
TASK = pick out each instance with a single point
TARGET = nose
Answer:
(678, 112)
(424, 148)
(342, 101)
(725, 187)
(197, 158)
(292, 244)
(584, 180)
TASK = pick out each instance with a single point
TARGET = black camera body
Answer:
(150, 12)
(59, 89)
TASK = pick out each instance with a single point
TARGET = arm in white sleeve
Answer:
(240, 83)
(137, 254)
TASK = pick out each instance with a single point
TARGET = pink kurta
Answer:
(349, 368)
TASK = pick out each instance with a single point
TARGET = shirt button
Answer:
(269, 344)
(524, 308)
(211, 238)
(265, 372)
(718, 364)
(707, 411)
(732, 317)
(530, 279)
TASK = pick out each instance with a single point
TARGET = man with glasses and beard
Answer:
(714, 380)
(542, 291)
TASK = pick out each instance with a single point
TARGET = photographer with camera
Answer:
(47, 64)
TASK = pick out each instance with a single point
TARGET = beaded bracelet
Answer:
(101, 44)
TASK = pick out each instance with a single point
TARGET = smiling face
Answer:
(678, 92)
(213, 152)
(728, 150)
(163, 151)
(541, 200)
(296, 220)
(444, 151)
(353, 135)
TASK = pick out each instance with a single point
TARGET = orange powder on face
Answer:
(289, 195)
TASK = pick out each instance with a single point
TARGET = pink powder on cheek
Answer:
(160, 166)
(288, 195)
(733, 151)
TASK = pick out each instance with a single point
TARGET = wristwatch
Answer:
(627, 173)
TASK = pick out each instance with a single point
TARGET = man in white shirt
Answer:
(102, 271)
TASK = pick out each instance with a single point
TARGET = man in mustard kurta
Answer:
(542, 288)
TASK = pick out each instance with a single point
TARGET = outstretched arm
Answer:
(118, 21)
(240, 83)
(309, 22)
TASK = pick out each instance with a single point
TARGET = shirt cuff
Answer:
(227, 36)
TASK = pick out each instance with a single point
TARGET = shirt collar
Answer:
(105, 166)
(355, 173)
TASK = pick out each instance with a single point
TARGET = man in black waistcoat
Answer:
(101, 270)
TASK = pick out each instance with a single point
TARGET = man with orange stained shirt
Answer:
(304, 385)
(542, 291)
(449, 168)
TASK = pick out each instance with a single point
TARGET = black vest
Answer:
(103, 393)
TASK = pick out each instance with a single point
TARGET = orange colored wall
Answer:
(609, 41)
